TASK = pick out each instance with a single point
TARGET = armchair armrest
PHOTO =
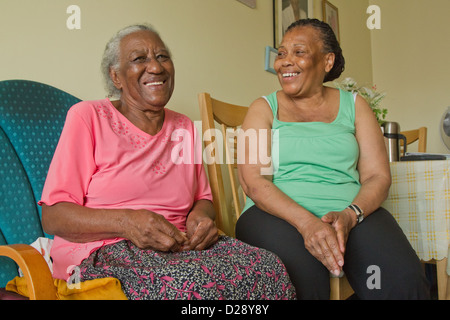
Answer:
(35, 269)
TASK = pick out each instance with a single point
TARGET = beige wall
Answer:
(411, 63)
(354, 38)
(407, 58)
(218, 45)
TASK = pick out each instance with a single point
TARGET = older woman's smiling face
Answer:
(146, 72)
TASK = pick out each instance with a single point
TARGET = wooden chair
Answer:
(35, 269)
(230, 117)
(443, 279)
(419, 135)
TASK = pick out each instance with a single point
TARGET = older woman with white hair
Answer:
(120, 207)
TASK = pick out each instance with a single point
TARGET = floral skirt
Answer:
(229, 270)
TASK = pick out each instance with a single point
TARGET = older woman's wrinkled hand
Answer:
(149, 230)
(322, 242)
(201, 229)
(342, 222)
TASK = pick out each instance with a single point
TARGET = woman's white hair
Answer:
(112, 53)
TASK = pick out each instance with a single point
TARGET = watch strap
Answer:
(359, 212)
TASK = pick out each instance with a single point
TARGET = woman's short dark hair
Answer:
(330, 44)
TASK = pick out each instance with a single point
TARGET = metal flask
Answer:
(392, 137)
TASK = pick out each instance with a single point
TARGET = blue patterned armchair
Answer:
(32, 115)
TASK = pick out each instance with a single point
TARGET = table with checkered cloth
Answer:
(419, 199)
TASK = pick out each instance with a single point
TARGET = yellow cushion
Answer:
(98, 289)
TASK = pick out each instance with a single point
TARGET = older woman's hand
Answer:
(342, 222)
(201, 229)
(149, 230)
(322, 242)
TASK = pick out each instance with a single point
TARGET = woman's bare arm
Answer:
(144, 228)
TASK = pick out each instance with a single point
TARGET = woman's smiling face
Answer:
(301, 63)
(146, 72)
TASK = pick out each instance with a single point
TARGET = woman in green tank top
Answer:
(329, 173)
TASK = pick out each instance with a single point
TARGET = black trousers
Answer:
(379, 261)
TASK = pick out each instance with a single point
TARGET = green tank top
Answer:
(315, 163)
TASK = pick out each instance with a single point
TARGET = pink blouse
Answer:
(103, 161)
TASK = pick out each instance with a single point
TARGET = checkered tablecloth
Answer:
(419, 199)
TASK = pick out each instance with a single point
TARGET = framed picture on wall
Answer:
(286, 12)
(331, 16)
(271, 55)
